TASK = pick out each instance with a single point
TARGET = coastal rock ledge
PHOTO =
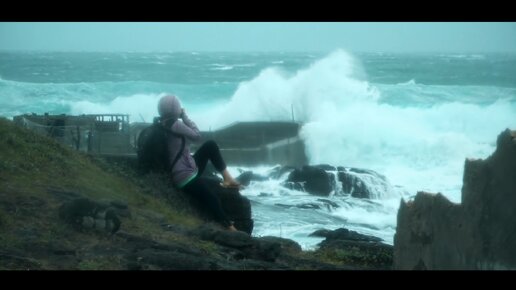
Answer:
(478, 234)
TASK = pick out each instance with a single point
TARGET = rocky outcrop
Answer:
(354, 185)
(230, 251)
(434, 233)
(363, 183)
(344, 234)
(246, 177)
(355, 248)
(316, 180)
(320, 180)
(87, 213)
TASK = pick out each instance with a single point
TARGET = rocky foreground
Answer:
(480, 233)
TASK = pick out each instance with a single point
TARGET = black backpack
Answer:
(152, 150)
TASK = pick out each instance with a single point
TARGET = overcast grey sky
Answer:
(260, 36)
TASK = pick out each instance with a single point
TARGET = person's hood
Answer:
(169, 107)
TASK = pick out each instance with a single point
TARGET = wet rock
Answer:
(79, 212)
(224, 237)
(316, 181)
(245, 178)
(286, 245)
(167, 260)
(355, 248)
(344, 234)
(363, 183)
(325, 167)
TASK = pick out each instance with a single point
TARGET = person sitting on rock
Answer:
(187, 168)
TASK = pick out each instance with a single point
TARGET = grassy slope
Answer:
(31, 167)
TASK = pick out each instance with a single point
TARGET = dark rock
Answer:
(137, 243)
(344, 234)
(173, 261)
(263, 249)
(74, 212)
(374, 255)
(60, 248)
(250, 264)
(178, 229)
(267, 249)
(316, 181)
(231, 239)
(434, 233)
(245, 178)
(356, 249)
(323, 233)
(224, 237)
(245, 225)
(355, 182)
(325, 167)
(286, 245)
(298, 263)
(354, 185)
(369, 172)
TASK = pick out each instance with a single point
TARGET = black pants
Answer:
(198, 189)
(209, 151)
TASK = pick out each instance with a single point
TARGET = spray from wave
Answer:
(347, 122)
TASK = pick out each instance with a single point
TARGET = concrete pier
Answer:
(241, 143)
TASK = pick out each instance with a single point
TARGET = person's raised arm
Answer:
(187, 128)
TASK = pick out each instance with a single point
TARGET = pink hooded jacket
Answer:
(185, 169)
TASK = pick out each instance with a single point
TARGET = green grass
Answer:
(100, 263)
(31, 164)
